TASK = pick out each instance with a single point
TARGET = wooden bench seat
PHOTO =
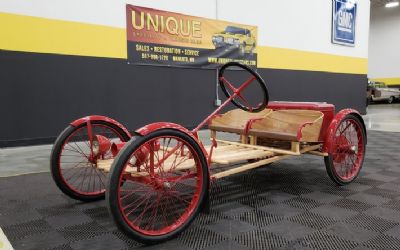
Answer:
(278, 135)
(235, 121)
(286, 125)
(289, 125)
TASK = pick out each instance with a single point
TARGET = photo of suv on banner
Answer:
(237, 37)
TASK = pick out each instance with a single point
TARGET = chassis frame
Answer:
(131, 159)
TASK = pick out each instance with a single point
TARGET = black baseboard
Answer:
(42, 93)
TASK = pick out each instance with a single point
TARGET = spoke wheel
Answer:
(344, 163)
(73, 168)
(165, 179)
(242, 101)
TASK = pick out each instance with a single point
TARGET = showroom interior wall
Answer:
(384, 53)
(61, 60)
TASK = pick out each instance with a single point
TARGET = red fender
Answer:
(162, 125)
(99, 118)
(335, 123)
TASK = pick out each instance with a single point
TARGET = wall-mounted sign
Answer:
(158, 37)
(344, 22)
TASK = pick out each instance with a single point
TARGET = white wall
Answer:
(103, 12)
(384, 49)
(303, 25)
(294, 24)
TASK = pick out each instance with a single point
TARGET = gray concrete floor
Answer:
(34, 159)
(383, 117)
(24, 160)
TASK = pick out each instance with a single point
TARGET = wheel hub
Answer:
(159, 184)
(167, 185)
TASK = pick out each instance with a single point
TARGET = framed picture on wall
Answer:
(344, 15)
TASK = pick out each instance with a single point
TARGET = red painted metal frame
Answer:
(300, 130)
(169, 125)
(99, 118)
(237, 91)
(249, 124)
(162, 125)
(331, 130)
(327, 133)
(88, 120)
(215, 116)
(104, 144)
(330, 122)
(90, 134)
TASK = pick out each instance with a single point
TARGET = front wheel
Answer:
(344, 163)
(165, 180)
(391, 100)
(72, 164)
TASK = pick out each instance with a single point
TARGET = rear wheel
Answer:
(165, 180)
(73, 169)
(391, 100)
(344, 163)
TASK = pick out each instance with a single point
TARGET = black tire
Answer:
(391, 100)
(57, 150)
(259, 80)
(330, 159)
(112, 193)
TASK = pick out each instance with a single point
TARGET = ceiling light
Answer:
(391, 4)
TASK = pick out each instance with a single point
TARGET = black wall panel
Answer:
(342, 90)
(41, 93)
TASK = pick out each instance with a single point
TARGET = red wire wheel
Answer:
(344, 162)
(157, 186)
(72, 167)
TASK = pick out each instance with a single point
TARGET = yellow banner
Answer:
(173, 39)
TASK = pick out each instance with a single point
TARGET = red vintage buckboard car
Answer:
(157, 180)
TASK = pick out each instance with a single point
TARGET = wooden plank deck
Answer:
(227, 153)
